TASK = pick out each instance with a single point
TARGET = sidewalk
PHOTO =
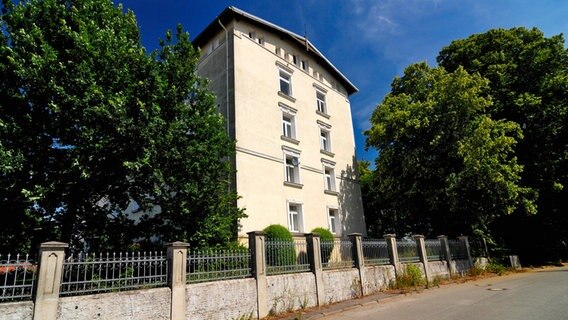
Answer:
(318, 312)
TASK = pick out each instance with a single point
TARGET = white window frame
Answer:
(285, 77)
(329, 178)
(288, 125)
(333, 222)
(289, 112)
(291, 171)
(298, 213)
(321, 104)
(325, 140)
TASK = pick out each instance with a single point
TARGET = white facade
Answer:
(289, 112)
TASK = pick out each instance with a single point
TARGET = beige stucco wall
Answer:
(259, 159)
(378, 278)
(340, 285)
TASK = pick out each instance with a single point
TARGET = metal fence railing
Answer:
(92, 273)
(434, 250)
(458, 249)
(17, 277)
(213, 265)
(375, 252)
(285, 256)
(337, 254)
(407, 251)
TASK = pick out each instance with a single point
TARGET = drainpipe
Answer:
(226, 72)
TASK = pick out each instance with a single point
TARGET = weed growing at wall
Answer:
(411, 279)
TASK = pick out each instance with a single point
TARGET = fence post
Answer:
(356, 240)
(423, 255)
(257, 246)
(447, 254)
(465, 241)
(46, 299)
(393, 253)
(314, 256)
(177, 275)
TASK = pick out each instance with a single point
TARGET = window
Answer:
(332, 221)
(285, 82)
(261, 41)
(295, 217)
(325, 141)
(292, 168)
(320, 101)
(329, 178)
(277, 51)
(252, 35)
(295, 59)
(304, 65)
(288, 126)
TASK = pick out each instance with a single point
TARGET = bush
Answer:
(411, 278)
(326, 238)
(280, 250)
(496, 268)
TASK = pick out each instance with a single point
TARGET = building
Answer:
(289, 112)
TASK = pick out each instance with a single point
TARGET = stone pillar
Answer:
(51, 257)
(257, 247)
(447, 255)
(357, 241)
(393, 253)
(423, 255)
(465, 241)
(314, 257)
(177, 275)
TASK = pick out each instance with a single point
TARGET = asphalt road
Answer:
(537, 295)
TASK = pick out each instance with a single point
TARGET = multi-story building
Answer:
(288, 110)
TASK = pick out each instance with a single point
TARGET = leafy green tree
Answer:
(444, 166)
(528, 82)
(90, 124)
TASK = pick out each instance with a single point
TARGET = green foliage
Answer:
(496, 268)
(90, 124)
(282, 252)
(444, 166)
(528, 76)
(326, 239)
(325, 234)
(277, 232)
(411, 279)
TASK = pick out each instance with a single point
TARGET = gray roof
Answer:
(232, 13)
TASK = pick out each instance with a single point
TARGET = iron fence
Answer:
(92, 273)
(17, 276)
(213, 265)
(375, 252)
(434, 250)
(407, 251)
(285, 256)
(458, 249)
(337, 254)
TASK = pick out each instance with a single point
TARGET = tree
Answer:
(90, 124)
(528, 82)
(444, 166)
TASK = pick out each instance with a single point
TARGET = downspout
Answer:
(226, 72)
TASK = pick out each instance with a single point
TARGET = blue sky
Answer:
(370, 41)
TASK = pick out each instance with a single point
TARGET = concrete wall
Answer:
(128, 305)
(378, 278)
(221, 300)
(291, 292)
(439, 269)
(16, 310)
(341, 285)
(462, 267)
